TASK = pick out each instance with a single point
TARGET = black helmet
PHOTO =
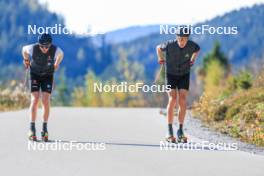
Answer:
(183, 31)
(45, 39)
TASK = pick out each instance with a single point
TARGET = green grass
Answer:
(240, 115)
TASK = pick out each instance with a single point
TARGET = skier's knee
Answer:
(182, 102)
(182, 97)
(34, 100)
(172, 99)
(45, 101)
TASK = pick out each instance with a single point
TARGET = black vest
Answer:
(43, 64)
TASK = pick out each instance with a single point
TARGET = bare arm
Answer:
(160, 54)
(58, 59)
(193, 58)
(26, 56)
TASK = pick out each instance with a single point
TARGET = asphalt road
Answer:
(108, 141)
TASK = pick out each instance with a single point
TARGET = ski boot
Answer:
(32, 136)
(181, 137)
(45, 136)
(171, 139)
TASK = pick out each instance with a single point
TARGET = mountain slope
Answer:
(240, 48)
(16, 15)
(138, 42)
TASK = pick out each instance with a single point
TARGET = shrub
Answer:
(220, 113)
(13, 97)
(232, 112)
(244, 80)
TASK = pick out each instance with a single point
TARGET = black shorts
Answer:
(41, 82)
(178, 82)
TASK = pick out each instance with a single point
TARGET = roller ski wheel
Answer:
(45, 136)
(181, 137)
(171, 139)
(32, 136)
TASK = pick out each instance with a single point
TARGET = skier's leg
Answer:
(182, 111)
(182, 105)
(33, 114)
(34, 88)
(172, 95)
(46, 89)
(45, 113)
(45, 97)
(183, 86)
(34, 106)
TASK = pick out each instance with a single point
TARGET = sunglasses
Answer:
(45, 46)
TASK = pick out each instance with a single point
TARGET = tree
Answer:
(62, 93)
(216, 55)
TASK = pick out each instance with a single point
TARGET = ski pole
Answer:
(26, 79)
(158, 74)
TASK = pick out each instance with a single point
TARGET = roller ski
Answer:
(32, 136)
(181, 137)
(44, 136)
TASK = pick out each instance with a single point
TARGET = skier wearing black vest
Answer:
(178, 56)
(42, 58)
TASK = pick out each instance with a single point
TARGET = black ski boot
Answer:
(171, 139)
(32, 136)
(45, 136)
(181, 137)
